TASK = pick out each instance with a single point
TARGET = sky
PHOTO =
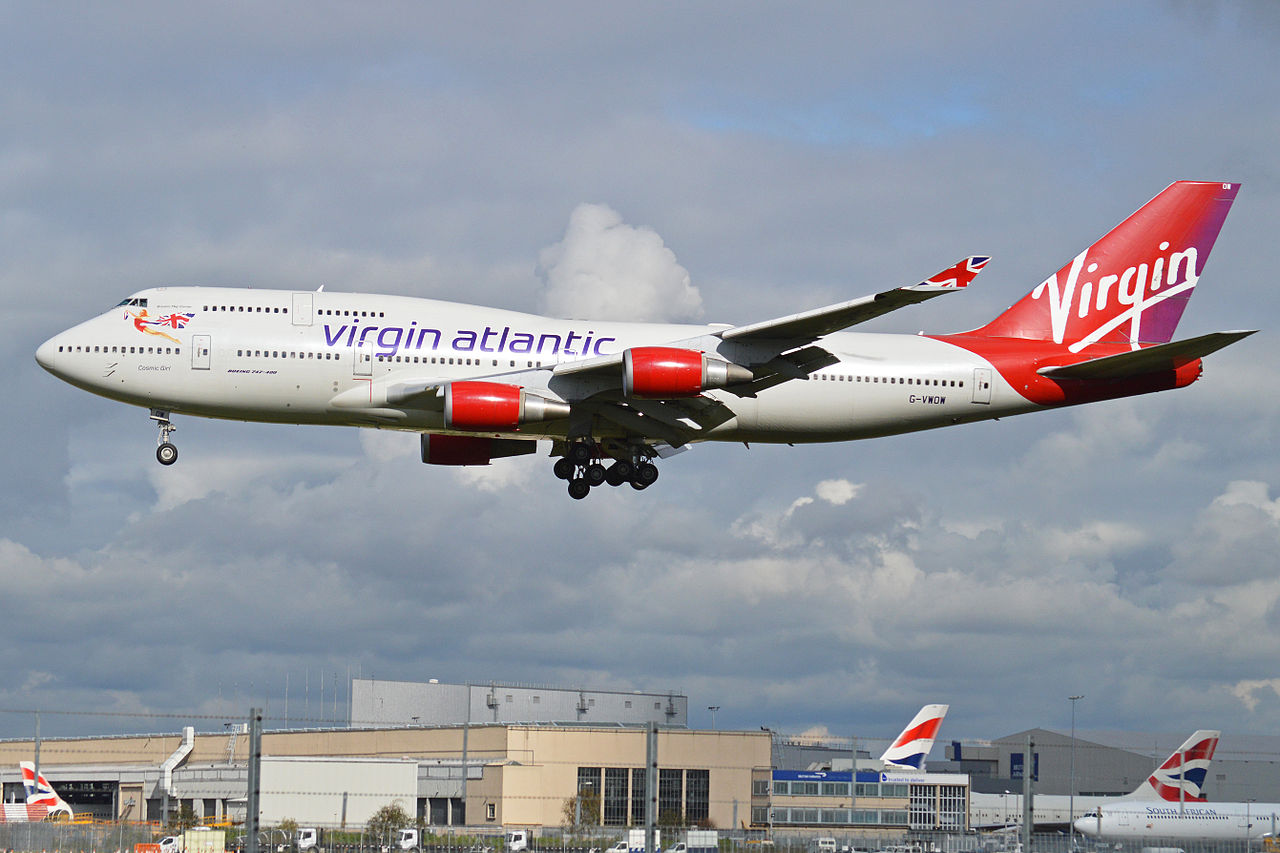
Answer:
(717, 162)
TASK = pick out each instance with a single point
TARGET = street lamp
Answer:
(1071, 799)
(713, 709)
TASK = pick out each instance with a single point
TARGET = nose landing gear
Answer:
(166, 451)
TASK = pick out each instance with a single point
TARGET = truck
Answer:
(198, 839)
(635, 840)
(697, 841)
(309, 839)
(407, 840)
(519, 839)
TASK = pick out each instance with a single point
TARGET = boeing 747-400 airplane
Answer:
(482, 383)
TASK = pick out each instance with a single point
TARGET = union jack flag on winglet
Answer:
(1181, 777)
(959, 275)
(910, 749)
(40, 793)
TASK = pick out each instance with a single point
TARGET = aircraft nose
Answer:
(45, 353)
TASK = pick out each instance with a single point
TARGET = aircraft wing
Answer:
(774, 351)
(1151, 359)
(784, 334)
(808, 326)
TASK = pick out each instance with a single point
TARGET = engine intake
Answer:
(484, 406)
(668, 372)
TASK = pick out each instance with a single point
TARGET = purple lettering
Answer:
(389, 347)
(465, 341)
(331, 340)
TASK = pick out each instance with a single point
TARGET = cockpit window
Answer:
(140, 303)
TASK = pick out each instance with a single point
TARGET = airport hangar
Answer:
(499, 756)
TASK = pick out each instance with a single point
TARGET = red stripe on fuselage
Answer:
(1018, 359)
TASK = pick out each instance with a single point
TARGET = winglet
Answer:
(957, 276)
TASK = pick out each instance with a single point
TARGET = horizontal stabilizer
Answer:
(1151, 359)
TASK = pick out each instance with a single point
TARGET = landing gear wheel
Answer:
(580, 452)
(578, 489)
(564, 468)
(595, 474)
(613, 475)
(646, 474)
(166, 454)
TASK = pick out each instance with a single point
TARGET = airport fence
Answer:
(46, 837)
(49, 837)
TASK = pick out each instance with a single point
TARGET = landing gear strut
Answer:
(166, 451)
(583, 466)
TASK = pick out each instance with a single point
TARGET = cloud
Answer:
(606, 269)
(1128, 546)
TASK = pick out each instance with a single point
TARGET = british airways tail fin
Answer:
(1181, 777)
(41, 793)
(910, 749)
(1133, 284)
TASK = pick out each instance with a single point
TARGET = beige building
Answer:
(482, 775)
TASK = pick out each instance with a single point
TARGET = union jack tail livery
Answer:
(41, 793)
(1181, 777)
(910, 749)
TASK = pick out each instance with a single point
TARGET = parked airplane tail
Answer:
(41, 793)
(1181, 777)
(1132, 285)
(909, 749)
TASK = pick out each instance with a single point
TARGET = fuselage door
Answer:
(982, 385)
(200, 346)
(362, 359)
(303, 308)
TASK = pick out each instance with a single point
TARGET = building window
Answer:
(637, 796)
(491, 811)
(615, 796)
(697, 796)
(589, 792)
(670, 783)
(759, 787)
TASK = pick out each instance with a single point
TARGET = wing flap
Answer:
(1150, 359)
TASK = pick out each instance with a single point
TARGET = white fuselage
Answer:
(291, 357)
(1181, 821)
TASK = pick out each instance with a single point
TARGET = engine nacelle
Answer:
(667, 372)
(487, 406)
(471, 449)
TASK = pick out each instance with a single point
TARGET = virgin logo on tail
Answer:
(910, 748)
(1181, 777)
(1115, 299)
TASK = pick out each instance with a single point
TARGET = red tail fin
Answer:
(1133, 284)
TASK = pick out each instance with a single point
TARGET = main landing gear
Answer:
(583, 466)
(166, 451)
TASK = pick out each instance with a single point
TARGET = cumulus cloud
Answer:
(1247, 690)
(606, 269)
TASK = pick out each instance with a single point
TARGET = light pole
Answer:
(1071, 799)
(713, 709)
